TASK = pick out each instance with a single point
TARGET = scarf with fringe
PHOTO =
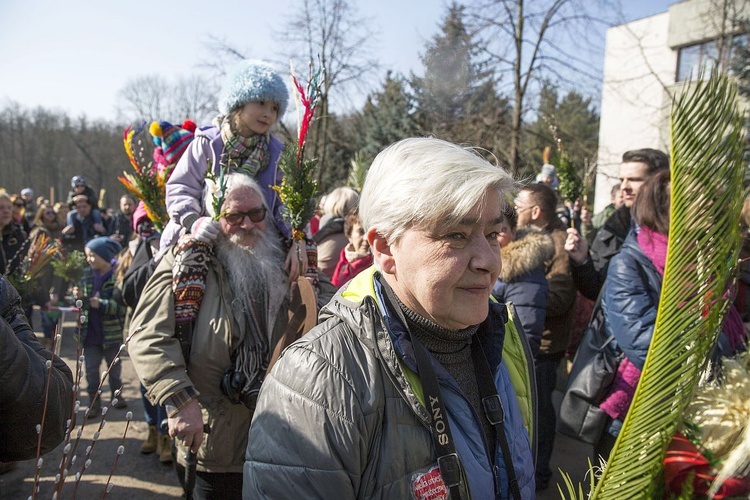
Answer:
(248, 155)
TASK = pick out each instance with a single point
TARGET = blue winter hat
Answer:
(251, 81)
(105, 247)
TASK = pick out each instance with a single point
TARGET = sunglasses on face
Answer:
(19, 205)
(235, 218)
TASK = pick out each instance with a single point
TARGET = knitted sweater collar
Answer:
(446, 345)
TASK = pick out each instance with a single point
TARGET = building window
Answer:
(691, 58)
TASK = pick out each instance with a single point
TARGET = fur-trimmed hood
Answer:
(528, 252)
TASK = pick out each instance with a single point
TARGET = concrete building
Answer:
(646, 62)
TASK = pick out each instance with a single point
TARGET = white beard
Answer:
(253, 272)
(257, 280)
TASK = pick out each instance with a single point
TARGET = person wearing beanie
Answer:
(252, 99)
(101, 334)
(78, 185)
(171, 141)
(27, 195)
(548, 176)
(131, 265)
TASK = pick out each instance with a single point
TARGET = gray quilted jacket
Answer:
(340, 416)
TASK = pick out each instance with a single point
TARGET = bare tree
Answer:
(153, 98)
(70, 147)
(194, 98)
(143, 98)
(221, 55)
(525, 39)
(331, 33)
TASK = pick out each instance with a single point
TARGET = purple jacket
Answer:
(185, 185)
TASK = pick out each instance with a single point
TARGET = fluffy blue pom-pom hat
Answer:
(252, 80)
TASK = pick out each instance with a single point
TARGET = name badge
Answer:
(428, 485)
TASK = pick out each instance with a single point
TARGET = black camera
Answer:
(234, 386)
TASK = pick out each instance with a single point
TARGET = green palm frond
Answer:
(704, 236)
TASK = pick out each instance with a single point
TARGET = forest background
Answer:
(509, 77)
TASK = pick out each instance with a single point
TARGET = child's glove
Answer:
(205, 229)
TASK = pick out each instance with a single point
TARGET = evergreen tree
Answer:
(387, 117)
(456, 99)
(575, 123)
(343, 143)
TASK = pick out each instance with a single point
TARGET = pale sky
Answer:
(76, 55)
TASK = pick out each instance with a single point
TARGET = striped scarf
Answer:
(248, 155)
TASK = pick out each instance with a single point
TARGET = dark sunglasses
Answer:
(235, 218)
(50, 212)
(20, 204)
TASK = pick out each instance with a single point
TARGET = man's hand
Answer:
(296, 260)
(187, 425)
(576, 246)
(94, 301)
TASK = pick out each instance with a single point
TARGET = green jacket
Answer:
(112, 313)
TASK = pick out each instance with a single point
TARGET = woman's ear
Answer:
(381, 251)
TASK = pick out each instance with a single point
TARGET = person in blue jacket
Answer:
(396, 393)
(631, 300)
(522, 280)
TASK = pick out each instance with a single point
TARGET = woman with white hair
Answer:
(402, 390)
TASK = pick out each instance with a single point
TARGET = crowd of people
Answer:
(447, 296)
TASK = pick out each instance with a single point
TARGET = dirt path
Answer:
(135, 476)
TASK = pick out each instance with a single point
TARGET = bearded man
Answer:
(213, 376)
(121, 225)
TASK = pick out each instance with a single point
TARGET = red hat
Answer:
(139, 214)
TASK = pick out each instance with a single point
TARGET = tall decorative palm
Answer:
(704, 235)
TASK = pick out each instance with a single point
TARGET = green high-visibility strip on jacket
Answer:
(514, 355)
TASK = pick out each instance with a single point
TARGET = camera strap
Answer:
(445, 448)
(447, 457)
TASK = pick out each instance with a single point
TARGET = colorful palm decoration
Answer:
(42, 250)
(298, 188)
(148, 182)
(704, 235)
